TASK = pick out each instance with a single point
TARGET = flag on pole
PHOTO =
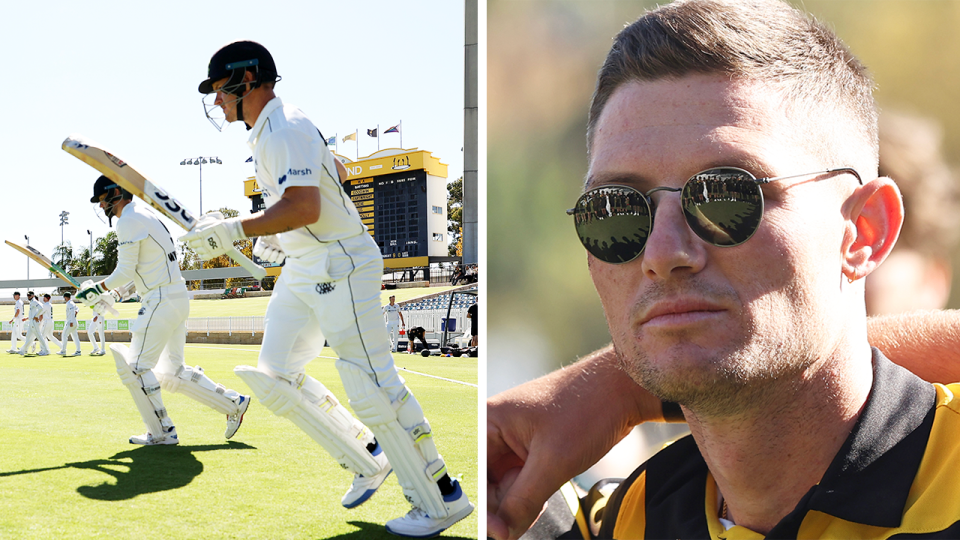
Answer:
(394, 129)
(332, 140)
(350, 137)
(372, 132)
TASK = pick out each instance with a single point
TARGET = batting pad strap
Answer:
(193, 383)
(415, 463)
(318, 414)
(149, 404)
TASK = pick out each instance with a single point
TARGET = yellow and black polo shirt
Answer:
(896, 476)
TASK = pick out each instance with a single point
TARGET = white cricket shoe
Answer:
(234, 420)
(41, 353)
(147, 439)
(62, 353)
(77, 353)
(12, 351)
(363, 487)
(417, 524)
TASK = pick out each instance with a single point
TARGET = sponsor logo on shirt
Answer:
(282, 179)
(299, 172)
(324, 288)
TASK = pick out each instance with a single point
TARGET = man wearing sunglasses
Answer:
(731, 212)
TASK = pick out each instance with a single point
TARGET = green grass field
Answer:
(67, 470)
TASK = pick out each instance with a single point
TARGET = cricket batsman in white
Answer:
(70, 326)
(47, 331)
(394, 319)
(330, 290)
(16, 328)
(147, 262)
(34, 327)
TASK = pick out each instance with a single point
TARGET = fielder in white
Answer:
(34, 327)
(70, 326)
(95, 329)
(147, 262)
(47, 332)
(394, 319)
(329, 290)
(16, 329)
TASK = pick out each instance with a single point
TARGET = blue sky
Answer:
(125, 75)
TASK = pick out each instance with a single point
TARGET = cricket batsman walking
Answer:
(330, 290)
(147, 257)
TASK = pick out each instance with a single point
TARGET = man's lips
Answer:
(679, 311)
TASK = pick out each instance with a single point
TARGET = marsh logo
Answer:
(400, 164)
(299, 172)
(142, 311)
(324, 288)
(282, 180)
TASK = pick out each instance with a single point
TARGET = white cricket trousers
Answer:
(34, 333)
(92, 330)
(393, 330)
(16, 334)
(161, 325)
(334, 295)
(48, 333)
(70, 332)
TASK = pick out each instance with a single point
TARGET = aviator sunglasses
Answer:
(723, 206)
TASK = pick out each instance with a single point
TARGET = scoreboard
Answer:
(402, 199)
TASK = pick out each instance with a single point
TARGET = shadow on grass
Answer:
(147, 469)
(375, 531)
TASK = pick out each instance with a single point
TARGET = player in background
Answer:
(16, 329)
(34, 326)
(394, 319)
(70, 327)
(47, 332)
(147, 256)
(330, 290)
(95, 329)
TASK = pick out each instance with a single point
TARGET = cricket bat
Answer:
(42, 259)
(135, 182)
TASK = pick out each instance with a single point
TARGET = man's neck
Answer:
(764, 462)
(254, 102)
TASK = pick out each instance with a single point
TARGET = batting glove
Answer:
(90, 292)
(268, 249)
(213, 235)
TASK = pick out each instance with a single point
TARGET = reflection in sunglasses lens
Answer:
(613, 223)
(724, 207)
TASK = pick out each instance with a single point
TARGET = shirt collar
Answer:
(870, 478)
(268, 109)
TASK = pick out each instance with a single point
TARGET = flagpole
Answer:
(378, 137)
(401, 134)
(356, 142)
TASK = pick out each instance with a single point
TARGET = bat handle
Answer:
(255, 269)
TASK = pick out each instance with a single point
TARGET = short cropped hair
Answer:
(66, 295)
(755, 40)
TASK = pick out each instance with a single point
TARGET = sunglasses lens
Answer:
(613, 223)
(723, 206)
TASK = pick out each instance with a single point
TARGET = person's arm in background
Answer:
(546, 431)
(925, 342)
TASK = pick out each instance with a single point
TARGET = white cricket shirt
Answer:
(392, 313)
(288, 151)
(146, 254)
(71, 313)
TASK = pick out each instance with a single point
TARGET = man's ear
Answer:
(876, 214)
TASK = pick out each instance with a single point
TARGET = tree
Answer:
(81, 264)
(455, 216)
(106, 247)
(63, 257)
